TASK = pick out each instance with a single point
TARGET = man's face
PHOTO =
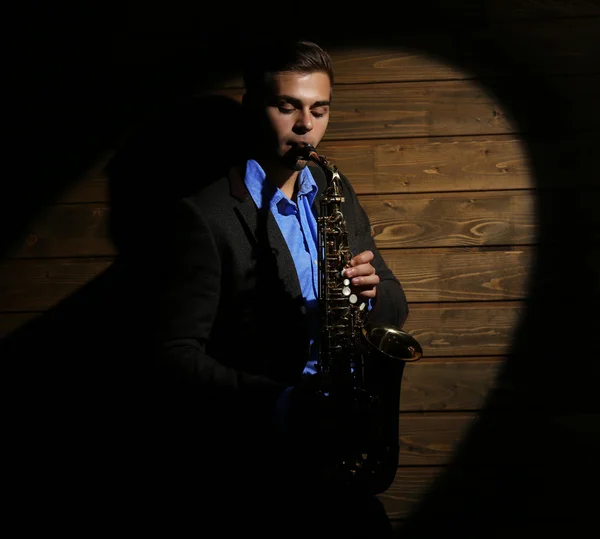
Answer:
(297, 110)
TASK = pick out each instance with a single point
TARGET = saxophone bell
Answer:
(391, 341)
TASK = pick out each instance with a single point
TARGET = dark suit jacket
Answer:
(232, 331)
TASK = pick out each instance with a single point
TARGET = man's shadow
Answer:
(81, 372)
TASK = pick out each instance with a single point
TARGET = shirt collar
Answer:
(262, 191)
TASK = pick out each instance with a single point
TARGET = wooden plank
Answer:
(408, 488)
(37, 285)
(553, 46)
(92, 186)
(372, 63)
(446, 330)
(431, 439)
(430, 385)
(415, 109)
(462, 275)
(445, 164)
(409, 220)
(411, 109)
(90, 189)
(69, 230)
(452, 219)
(432, 165)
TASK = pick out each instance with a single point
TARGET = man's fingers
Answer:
(362, 258)
(366, 280)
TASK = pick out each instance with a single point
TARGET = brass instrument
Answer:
(363, 363)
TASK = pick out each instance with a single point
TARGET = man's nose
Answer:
(304, 122)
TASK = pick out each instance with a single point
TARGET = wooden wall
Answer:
(464, 142)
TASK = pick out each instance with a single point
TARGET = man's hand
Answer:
(362, 275)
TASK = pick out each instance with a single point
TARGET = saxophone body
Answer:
(362, 364)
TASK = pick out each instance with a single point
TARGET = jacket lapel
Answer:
(263, 231)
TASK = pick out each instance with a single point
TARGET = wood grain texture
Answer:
(533, 45)
(431, 439)
(39, 284)
(432, 165)
(408, 488)
(451, 384)
(397, 221)
(416, 109)
(69, 230)
(93, 188)
(464, 329)
(452, 219)
(462, 275)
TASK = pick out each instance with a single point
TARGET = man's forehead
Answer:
(302, 86)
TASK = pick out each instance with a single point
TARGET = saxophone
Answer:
(362, 363)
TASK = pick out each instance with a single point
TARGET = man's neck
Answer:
(283, 178)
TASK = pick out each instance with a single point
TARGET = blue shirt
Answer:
(298, 226)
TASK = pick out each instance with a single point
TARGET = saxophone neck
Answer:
(333, 191)
(308, 152)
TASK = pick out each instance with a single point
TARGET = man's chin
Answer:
(291, 161)
(299, 165)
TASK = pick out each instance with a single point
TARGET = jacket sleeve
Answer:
(187, 298)
(390, 306)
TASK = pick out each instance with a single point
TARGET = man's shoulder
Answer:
(211, 196)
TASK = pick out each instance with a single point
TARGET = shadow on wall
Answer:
(529, 460)
(525, 464)
(80, 372)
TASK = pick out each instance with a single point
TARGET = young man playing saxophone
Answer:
(239, 320)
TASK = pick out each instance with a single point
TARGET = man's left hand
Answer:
(362, 275)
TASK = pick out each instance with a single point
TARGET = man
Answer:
(238, 319)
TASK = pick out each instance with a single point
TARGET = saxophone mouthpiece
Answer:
(306, 151)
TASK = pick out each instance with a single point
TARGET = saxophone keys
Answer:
(346, 291)
(353, 298)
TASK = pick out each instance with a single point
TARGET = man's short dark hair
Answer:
(269, 58)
